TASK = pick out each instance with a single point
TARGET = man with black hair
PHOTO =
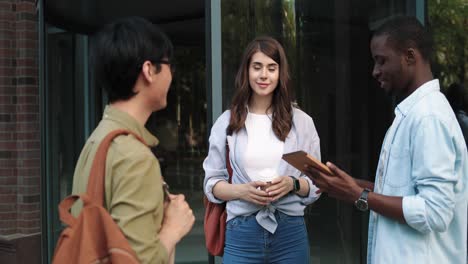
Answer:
(132, 60)
(419, 199)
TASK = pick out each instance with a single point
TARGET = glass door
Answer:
(182, 132)
(66, 116)
(327, 44)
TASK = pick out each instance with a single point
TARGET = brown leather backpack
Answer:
(93, 237)
(215, 219)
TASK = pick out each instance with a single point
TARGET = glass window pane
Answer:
(65, 115)
(327, 44)
(448, 20)
(74, 109)
(182, 133)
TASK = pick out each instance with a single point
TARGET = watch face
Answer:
(361, 205)
(297, 185)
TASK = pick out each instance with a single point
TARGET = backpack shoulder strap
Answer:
(95, 187)
(228, 162)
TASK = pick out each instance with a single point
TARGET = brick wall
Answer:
(19, 119)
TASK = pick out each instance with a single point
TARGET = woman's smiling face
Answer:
(263, 75)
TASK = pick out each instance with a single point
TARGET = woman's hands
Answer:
(280, 187)
(253, 192)
(259, 192)
(272, 191)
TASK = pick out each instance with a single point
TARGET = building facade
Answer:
(20, 137)
(49, 104)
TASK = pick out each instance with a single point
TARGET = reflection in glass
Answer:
(65, 116)
(182, 133)
(327, 44)
(450, 46)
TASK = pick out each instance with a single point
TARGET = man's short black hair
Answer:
(407, 32)
(120, 49)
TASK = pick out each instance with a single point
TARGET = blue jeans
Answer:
(247, 242)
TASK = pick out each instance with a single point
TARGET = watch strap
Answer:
(365, 194)
(361, 203)
(296, 184)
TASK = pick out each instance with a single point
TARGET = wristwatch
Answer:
(296, 184)
(361, 203)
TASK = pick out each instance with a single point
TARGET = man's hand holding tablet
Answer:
(300, 159)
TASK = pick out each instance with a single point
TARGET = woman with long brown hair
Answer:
(267, 196)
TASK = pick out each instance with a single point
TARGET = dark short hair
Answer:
(119, 50)
(407, 32)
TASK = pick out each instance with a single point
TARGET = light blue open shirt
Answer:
(302, 136)
(424, 160)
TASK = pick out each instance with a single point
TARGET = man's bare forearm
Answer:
(389, 206)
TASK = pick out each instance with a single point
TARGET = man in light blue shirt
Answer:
(419, 199)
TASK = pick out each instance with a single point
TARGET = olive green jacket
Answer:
(133, 184)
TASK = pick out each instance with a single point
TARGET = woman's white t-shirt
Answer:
(264, 150)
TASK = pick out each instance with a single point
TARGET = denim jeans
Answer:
(247, 242)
